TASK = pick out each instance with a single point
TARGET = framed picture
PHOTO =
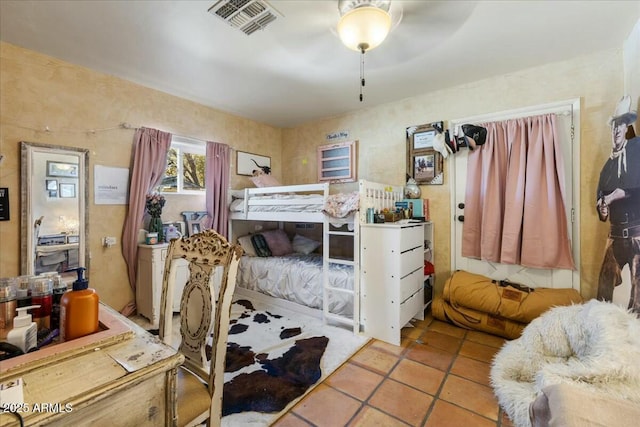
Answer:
(246, 163)
(4, 204)
(67, 190)
(68, 170)
(423, 139)
(194, 221)
(424, 168)
(424, 164)
(194, 228)
(52, 184)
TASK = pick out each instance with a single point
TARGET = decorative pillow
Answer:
(246, 245)
(265, 181)
(278, 242)
(304, 245)
(260, 245)
(237, 194)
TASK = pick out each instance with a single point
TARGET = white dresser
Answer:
(151, 260)
(149, 280)
(392, 278)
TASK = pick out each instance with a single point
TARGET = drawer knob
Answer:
(461, 218)
(461, 205)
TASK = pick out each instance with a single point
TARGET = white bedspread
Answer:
(297, 278)
(299, 203)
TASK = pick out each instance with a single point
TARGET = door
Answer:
(533, 277)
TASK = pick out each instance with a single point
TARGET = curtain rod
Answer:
(560, 108)
(125, 125)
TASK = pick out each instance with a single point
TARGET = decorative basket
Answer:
(392, 216)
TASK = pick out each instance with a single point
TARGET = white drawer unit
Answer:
(392, 278)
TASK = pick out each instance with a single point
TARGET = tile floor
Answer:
(437, 377)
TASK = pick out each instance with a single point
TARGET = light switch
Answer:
(108, 242)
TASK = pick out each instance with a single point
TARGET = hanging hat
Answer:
(440, 146)
(451, 143)
(624, 113)
(476, 135)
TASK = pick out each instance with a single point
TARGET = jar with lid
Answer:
(23, 292)
(42, 295)
(7, 305)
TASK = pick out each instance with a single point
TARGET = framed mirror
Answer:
(424, 163)
(54, 205)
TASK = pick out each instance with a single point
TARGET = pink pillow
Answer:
(278, 242)
(265, 181)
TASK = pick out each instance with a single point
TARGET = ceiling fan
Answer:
(417, 29)
(365, 24)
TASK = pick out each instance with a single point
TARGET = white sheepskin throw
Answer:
(595, 346)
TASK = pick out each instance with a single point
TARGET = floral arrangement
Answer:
(154, 204)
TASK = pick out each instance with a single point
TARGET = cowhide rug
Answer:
(270, 362)
(274, 357)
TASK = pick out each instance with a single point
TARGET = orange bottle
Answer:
(78, 309)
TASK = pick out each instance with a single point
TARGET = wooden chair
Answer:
(208, 264)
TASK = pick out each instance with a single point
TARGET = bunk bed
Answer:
(328, 284)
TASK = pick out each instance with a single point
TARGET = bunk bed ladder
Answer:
(330, 232)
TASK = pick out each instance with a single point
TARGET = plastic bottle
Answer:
(25, 331)
(59, 288)
(78, 309)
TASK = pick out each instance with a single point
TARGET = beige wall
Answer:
(631, 59)
(37, 91)
(597, 79)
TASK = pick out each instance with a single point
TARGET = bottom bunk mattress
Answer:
(298, 278)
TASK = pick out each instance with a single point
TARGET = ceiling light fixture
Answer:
(363, 25)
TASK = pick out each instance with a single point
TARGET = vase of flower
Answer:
(155, 226)
(153, 205)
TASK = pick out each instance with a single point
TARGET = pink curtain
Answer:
(151, 147)
(217, 186)
(514, 202)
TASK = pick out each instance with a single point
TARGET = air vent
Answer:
(246, 15)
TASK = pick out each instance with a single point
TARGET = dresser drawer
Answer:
(411, 237)
(410, 284)
(411, 307)
(411, 260)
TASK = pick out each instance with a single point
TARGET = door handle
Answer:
(461, 218)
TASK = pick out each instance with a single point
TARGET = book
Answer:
(416, 206)
(402, 205)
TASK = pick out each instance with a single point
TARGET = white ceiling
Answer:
(296, 69)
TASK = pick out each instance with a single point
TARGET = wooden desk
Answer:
(128, 379)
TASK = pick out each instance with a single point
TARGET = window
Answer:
(185, 167)
(337, 162)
